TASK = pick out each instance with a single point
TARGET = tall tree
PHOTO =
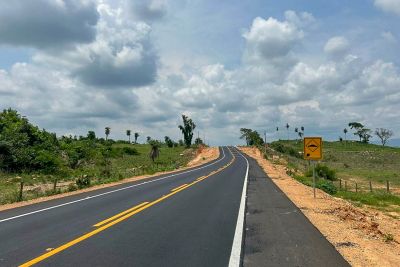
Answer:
(148, 139)
(345, 134)
(136, 137)
(107, 131)
(187, 130)
(383, 134)
(251, 137)
(128, 133)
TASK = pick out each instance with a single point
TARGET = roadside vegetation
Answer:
(35, 162)
(363, 173)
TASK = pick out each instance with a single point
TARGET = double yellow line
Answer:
(107, 223)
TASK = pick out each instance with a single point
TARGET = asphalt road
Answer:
(192, 218)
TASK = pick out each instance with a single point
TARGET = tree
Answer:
(365, 135)
(91, 135)
(136, 137)
(168, 141)
(345, 133)
(198, 141)
(187, 130)
(107, 132)
(383, 134)
(148, 139)
(128, 133)
(155, 149)
(358, 127)
(252, 137)
(287, 128)
(300, 134)
(302, 129)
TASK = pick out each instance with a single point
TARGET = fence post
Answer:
(340, 184)
(370, 186)
(387, 186)
(55, 185)
(21, 188)
(345, 185)
(356, 188)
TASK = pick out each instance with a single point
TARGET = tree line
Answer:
(364, 134)
(26, 148)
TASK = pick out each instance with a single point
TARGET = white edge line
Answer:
(235, 258)
(109, 192)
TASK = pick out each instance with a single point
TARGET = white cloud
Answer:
(389, 6)
(270, 39)
(337, 46)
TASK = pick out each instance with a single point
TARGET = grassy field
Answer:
(119, 166)
(356, 165)
(356, 162)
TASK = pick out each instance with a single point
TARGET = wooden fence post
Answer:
(21, 189)
(55, 185)
(387, 186)
(340, 184)
(345, 185)
(356, 188)
(370, 186)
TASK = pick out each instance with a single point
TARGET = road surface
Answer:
(191, 218)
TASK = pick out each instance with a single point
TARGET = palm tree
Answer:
(302, 129)
(296, 130)
(287, 127)
(277, 130)
(107, 132)
(300, 134)
(128, 133)
(136, 137)
(148, 138)
(345, 134)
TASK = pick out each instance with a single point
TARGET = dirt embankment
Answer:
(203, 156)
(362, 235)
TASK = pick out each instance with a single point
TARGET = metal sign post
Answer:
(313, 151)
(313, 174)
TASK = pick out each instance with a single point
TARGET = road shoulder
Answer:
(358, 234)
(277, 233)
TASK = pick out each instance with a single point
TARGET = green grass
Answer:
(378, 198)
(356, 161)
(121, 166)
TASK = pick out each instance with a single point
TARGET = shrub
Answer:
(327, 186)
(71, 187)
(286, 150)
(130, 151)
(83, 182)
(322, 171)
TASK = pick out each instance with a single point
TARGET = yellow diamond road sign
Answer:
(313, 148)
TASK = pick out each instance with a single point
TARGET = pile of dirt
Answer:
(205, 154)
(364, 236)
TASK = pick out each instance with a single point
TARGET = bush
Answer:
(286, 150)
(130, 151)
(322, 171)
(327, 186)
(83, 182)
(72, 187)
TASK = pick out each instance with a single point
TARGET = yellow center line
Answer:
(119, 214)
(121, 218)
(176, 188)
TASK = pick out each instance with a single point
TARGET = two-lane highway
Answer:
(185, 219)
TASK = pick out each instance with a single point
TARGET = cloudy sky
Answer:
(76, 65)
